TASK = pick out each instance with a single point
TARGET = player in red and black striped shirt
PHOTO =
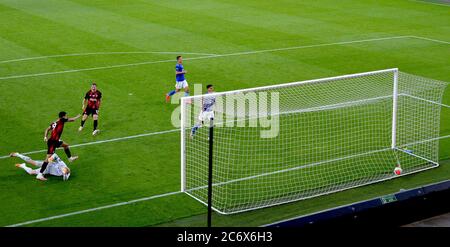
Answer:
(55, 142)
(91, 106)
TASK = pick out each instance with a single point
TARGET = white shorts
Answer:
(181, 84)
(206, 115)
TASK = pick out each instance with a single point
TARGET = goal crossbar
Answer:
(290, 84)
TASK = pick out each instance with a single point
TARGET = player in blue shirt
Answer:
(180, 80)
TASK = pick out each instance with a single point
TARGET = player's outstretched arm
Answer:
(74, 118)
(84, 104)
(46, 133)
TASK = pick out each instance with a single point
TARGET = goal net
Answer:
(294, 141)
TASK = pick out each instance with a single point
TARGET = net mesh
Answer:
(294, 141)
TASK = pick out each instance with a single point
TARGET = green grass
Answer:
(113, 172)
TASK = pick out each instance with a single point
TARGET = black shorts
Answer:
(90, 111)
(52, 145)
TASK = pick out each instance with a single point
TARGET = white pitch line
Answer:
(95, 209)
(425, 2)
(81, 70)
(203, 57)
(154, 133)
(312, 46)
(103, 53)
(214, 56)
(126, 202)
(434, 40)
(104, 141)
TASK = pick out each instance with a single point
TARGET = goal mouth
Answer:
(279, 193)
(333, 134)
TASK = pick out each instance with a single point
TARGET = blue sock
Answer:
(186, 93)
(194, 129)
(171, 92)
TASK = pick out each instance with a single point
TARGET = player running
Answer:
(56, 166)
(54, 141)
(207, 112)
(91, 106)
(180, 80)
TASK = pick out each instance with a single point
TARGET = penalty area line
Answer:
(433, 3)
(222, 55)
(95, 209)
(103, 53)
(104, 141)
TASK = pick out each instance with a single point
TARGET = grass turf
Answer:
(133, 95)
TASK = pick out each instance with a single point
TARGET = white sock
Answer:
(27, 169)
(23, 157)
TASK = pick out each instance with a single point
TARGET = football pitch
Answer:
(129, 174)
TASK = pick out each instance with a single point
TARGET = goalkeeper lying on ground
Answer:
(56, 166)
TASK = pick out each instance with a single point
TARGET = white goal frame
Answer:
(395, 95)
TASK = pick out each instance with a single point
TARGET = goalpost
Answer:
(293, 141)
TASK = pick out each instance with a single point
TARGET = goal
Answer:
(293, 141)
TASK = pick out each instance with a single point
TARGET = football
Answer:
(398, 170)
